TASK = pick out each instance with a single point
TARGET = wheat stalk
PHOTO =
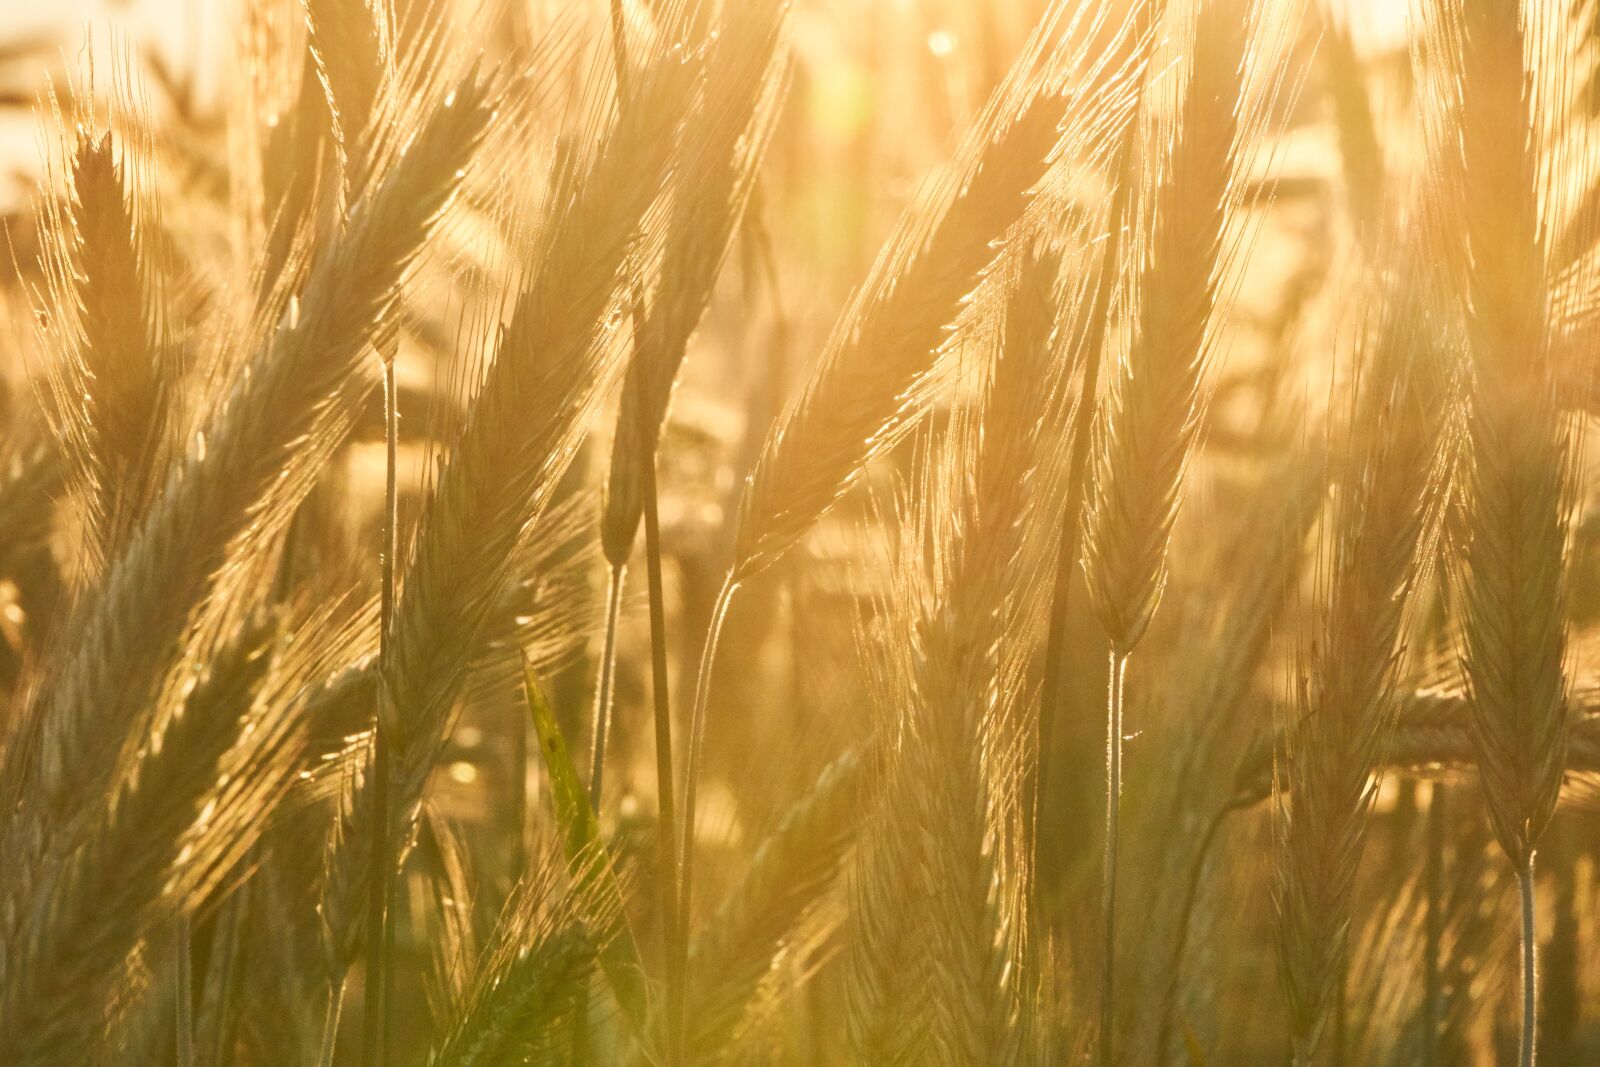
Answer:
(952, 785)
(1155, 406)
(878, 370)
(1513, 588)
(1089, 339)
(744, 84)
(351, 43)
(1381, 538)
(107, 320)
(785, 882)
(745, 75)
(527, 983)
(283, 415)
(69, 951)
(552, 364)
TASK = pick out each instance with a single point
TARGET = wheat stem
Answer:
(1051, 691)
(605, 687)
(330, 1023)
(1530, 966)
(1091, 342)
(1341, 1008)
(1191, 894)
(1433, 872)
(380, 929)
(185, 993)
(1108, 1002)
(697, 737)
(671, 927)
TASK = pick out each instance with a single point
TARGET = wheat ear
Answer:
(253, 458)
(877, 372)
(1380, 540)
(113, 363)
(525, 988)
(1485, 156)
(785, 882)
(1156, 402)
(102, 897)
(551, 367)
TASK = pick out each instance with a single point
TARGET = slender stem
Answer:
(330, 1023)
(602, 722)
(606, 687)
(1191, 893)
(1341, 1006)
(1530, 967)
(380, 929)
(580, 1024)
(185, 951)
(1108, 1002)
(697, 738)
(1433, 874)
(377, 895)
(520, 754)
(1050, 694)
(1089, 340)
(661, 695)
(218, 994)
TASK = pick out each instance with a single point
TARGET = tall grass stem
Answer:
(662, 698)
(380, 887)
(1530, 967)
(605, 688)
(185, 1012)
(330, 1023)
(1433, 984)
(1180, 941)
(692, 760)
(1108, 999)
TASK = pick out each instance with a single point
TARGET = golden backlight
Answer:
(880, 532)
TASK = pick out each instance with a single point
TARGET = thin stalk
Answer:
(1530, 967)
(520, 754)
(697, 738)
(330, 1023)
(185, 1012)
(1055, 654)
(1341, 1009)
(372, 1054)
(602, 722)
(1191, 893)
(380, 929)
(606, 687)
(580, 1024)
(1090, 340)
(1433, 873)
(662, 697)
(1108, 1002)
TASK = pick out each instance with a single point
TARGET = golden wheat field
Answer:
(878, 532)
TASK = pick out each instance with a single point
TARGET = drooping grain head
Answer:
(1158, 396)
(1485, 168)
(745, 77)
(106, 320)
(1389, 478)
(877, 373)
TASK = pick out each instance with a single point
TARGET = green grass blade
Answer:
(590, 867)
